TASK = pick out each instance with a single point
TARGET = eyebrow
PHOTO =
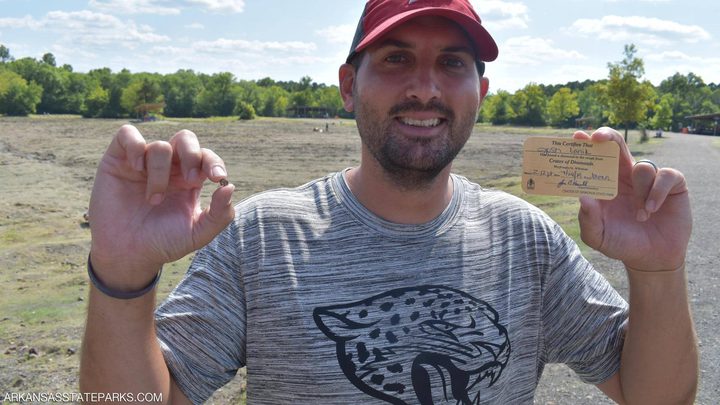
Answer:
(390, 42)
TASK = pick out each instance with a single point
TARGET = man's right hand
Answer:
(145, 208)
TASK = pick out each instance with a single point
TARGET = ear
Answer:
(484, 86)
(347, 81)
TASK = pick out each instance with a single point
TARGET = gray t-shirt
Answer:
(324, 302)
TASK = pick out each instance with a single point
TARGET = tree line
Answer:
(29, 86)
(623, 99)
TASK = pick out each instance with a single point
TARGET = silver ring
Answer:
(650, 162)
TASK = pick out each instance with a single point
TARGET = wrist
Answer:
(639, 270)
(121, 290)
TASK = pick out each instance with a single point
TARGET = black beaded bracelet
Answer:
(121, 295)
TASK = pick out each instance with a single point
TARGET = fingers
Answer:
(216, 217)
(196, 163)
(591, 222)
(581, 135)
(213, 166)
(604, 134)
(128, 145)
(158, 163)
(186, 151)
(651, 189)
(643, 177)
(156, 159)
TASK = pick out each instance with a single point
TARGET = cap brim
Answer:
(485, 47)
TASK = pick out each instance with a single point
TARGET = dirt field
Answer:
(47, 166)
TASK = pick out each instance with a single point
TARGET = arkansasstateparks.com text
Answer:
(84, 397)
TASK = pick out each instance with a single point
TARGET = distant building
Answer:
(309, 112)
(707, 124)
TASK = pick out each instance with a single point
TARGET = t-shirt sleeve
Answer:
(201, 325)
(583, 316)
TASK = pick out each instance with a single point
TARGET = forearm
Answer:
(659, 359)
(120, 351)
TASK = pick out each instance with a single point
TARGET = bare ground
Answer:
(47, 166)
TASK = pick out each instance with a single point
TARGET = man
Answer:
(394, 281)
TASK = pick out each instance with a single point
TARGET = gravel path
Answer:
(698, 157)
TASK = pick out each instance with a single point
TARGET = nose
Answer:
(423, 85)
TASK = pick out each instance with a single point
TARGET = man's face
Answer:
(416, 95)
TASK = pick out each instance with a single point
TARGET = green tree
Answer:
(329, 97)
(49, 59)
(519, 103)
(96, 102)
(114, 83)
(251, 93)
(563, 107)
(245, 111)
(530, 105)
(497, 109)
(17, 96)
(277, 100)
(715, 97)
(219, 96)
(63, 91)
(302, 98)
(181, 90)
(5, 54)
(663, 113)
(593, 104)
(628, 98)
(142, 90)
(691, 96)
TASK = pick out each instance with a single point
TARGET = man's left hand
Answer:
(648, 224)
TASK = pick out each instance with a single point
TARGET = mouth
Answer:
(422, 123)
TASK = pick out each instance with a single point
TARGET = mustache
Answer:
(417, 106)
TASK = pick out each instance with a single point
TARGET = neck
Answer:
(398, 203)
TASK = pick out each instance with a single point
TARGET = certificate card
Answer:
(570, 167)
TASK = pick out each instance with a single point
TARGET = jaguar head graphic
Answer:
(426, 344)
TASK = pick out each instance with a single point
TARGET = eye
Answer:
(453, 62)
(396, 58)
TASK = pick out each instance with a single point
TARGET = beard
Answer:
(412, 163)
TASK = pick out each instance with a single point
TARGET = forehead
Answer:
(433, 30)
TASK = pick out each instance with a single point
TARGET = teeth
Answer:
(421, 123)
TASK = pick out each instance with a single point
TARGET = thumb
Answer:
(215, 218)
(591, 223)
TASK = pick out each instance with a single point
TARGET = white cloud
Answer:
(239, 45)
(234, 6)
(88, 28)
(99, 29)
(526, 50)
(22, 22)
(639, 29)
(499, 14)
(673, 56)
(195, 26)
(166, 7)
(337, 34)
(253, 63)
(134, 7)
(661, 65)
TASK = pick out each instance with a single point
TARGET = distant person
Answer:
(395, 281)
(659, 133)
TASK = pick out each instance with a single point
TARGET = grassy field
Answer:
(47, 166)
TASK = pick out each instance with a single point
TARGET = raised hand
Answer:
(145, 209)
(648, 224)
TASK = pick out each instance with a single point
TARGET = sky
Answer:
(540, 41)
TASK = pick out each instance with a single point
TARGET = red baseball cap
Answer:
(381, 16)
